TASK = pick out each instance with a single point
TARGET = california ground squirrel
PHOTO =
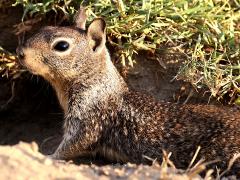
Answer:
(102, 115)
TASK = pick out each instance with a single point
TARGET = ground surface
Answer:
(34, 117)
(14, 159)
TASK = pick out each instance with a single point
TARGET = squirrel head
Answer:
(65, 51)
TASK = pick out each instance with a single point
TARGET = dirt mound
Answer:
(23, 161)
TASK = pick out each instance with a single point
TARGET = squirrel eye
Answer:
(61, 46)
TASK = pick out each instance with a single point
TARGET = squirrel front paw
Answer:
(55, 158)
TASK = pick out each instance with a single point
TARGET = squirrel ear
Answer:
(96, 34)
(80, 18)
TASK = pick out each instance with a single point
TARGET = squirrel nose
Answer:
(20, 52)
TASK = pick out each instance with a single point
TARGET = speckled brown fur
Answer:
(102, 115)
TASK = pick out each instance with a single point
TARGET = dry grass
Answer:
(8, 65)
(195, 168)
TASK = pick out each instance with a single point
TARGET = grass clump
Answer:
(206, 33)
(8, 64)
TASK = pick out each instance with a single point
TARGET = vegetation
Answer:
(8, 65)
(205, 32)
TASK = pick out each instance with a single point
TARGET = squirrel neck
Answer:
(94, 87)
(61, 88)
(100, 86)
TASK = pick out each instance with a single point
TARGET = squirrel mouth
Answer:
(21, 62)
(24, 66)
(31, 70)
